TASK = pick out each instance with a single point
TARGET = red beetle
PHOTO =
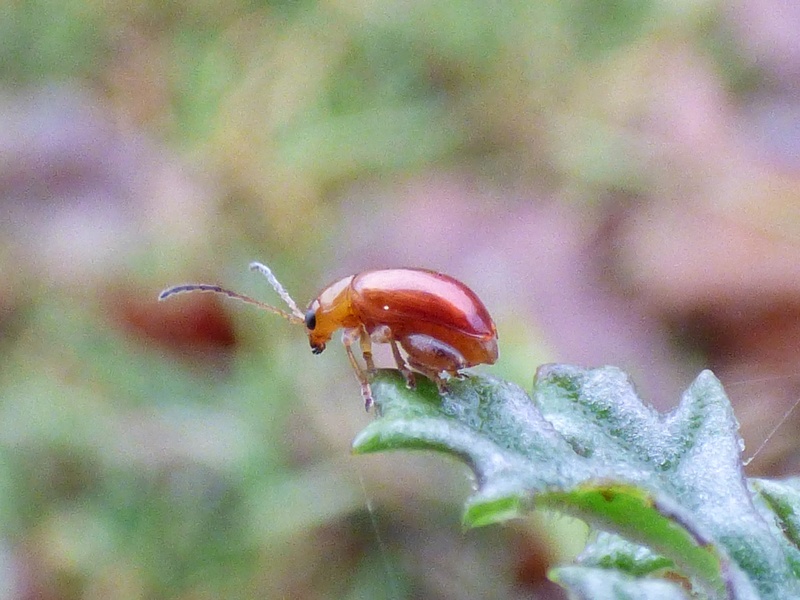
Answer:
(439, 322)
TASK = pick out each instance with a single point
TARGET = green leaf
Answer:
(670, 486)
(632, 512)
(608, 551)
(779, 502)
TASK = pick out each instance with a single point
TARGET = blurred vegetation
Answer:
(196, 449)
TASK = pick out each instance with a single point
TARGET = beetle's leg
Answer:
(431, 374)
(383, 335)
(402, 366)
(349, 336)
(430, 357)
(366, 349)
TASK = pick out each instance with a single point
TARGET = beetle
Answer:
(439, 322)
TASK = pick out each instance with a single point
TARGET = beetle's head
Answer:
(321, 320)
(332, 310)
(314, 338)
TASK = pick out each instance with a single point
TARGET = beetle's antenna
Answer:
(278, 287)
(205, 287)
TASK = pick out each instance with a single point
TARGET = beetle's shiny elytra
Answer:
(439, 322)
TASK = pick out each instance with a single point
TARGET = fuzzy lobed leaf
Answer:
(671, 485)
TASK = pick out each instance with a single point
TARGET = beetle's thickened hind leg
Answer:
(349, 337)
(430, 357)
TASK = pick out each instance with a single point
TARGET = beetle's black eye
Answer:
(311, 320)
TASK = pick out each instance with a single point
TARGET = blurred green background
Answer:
(617, 180)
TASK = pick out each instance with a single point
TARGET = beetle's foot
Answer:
(366, 394)
(441, 385)
(411, 381)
